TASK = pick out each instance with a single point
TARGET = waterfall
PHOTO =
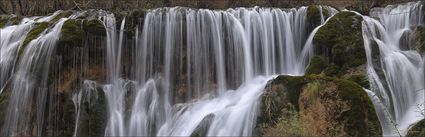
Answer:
(31, 80)
(200, 71)
(190, 71)
(397, 74)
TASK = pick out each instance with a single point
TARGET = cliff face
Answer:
(43, 7)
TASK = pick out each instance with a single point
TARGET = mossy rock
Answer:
(5, 94)
(317, 65)
(361, 119)
(7, 20)
(63, 14)
(314, 16)
(202, 129)
(93, 114)
(94, 27)
(341, 40)
(280, 94)
(340, 107)
(328, 106)
(419, 33)
(72, 33)
(69, 114)
(33, 34)
(133, 19)
(361, 80)
(418, 130)
(3, 20)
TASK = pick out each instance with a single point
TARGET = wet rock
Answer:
(72, 33)
(418, 130)
(62, 14)
(7, 20)
(280, 94)
(202, 129)
(33, 34)
(340, 40)
(419, 34)
(93, 114)
(94, 27)
(314, 15)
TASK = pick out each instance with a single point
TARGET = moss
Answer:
(361, 107)
(317, 65)
(340, 40)
(69, 114)
(202, 129)
(72, 33)
(3, 21)
(281, 94)
(6, 20)
(314, 16)
(313, 90)
(342, 107)
(33, 34)
(133, 19)
(418, 130)
(5, 94)
(93, 115)
(419, 33)
(293, 86)
(63, 14)
(361, 80)
(332, 70)
(94, 27)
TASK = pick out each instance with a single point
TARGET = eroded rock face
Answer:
(323, 106)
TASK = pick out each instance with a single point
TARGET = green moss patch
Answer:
(33, 34)
(94, 27)
(418, 130)
(314, 16)
(328, 106)
(7, 20)
(317, 65)
(340, 40)
(63, 14)
(361, 119)
(419, 33)
(72, 33)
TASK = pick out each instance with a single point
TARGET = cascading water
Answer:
(30, 80)
(397, 74)
(200, 56)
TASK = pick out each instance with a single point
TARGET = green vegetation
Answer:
(290, 124)
(63, 14)
(327, 106)
(72, 33)
(7, 20)
(93, 115)
(317, 65)
(341, 39)
(33, 34)
(360, 80)
(94, 27)
(419, 33)
(361, 107)
(418, 130)
(281, 94)
(314, 17)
